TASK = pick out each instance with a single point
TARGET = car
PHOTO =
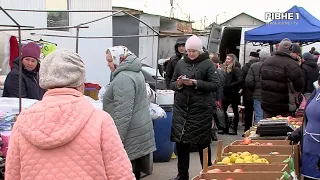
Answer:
(151, 77)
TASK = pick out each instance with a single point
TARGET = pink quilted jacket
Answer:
(63, 137)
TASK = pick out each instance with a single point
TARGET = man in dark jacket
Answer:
(310, 72)
(180, 51)
(247, 92)
(253, 82)
(281, 78)
(30, 67)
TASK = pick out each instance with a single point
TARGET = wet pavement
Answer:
(168, 170)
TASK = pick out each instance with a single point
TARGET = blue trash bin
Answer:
(162, 131)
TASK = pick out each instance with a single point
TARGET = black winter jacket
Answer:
(310, 72)
(253, 80)
(194, 105)
(170, 67)
(29, 84)
(247, 92)
(233, 82)
(279, 75)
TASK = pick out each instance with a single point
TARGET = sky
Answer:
(221, 10)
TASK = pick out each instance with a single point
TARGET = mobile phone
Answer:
(184, 78)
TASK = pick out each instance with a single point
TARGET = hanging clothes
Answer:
(14, 50)
(47, 48)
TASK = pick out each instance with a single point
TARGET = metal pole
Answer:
(20, 70)
(75, 11)
(20, 56)
(93, 37)
(100, 18)
(15, 26)
(142, 22)
(77, 39)
(10, 17)
(45, 28)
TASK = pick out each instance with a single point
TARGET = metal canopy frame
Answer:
(77, 27)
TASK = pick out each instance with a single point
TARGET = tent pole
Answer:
(20, 56)
(244, 52)
(77, 39)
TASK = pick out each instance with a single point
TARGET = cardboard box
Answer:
(274, 142)
(292, 150)
(272, 159)
(250, 167)
(241, 176)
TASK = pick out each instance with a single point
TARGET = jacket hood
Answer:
(200, 58)
(281, 53)
(16, 63)
(311, 64)
(131, 63)
(57, 119)
(180, 41)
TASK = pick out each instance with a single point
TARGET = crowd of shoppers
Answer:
(64, 136)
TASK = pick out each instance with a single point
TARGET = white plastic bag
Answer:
(102, 91)
(157, 112)
(150, 94)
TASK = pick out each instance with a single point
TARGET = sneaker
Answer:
(232, 132)
(220, 131)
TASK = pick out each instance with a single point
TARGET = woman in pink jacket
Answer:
(64, 136)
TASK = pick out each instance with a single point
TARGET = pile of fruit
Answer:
(242, 157)
(248, 141)
(291, 120)
(217, 170)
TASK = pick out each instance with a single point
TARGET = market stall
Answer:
(247, 159)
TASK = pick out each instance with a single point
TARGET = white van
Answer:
(228, 39)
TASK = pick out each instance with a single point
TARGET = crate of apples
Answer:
(248, 141)
(243, 157)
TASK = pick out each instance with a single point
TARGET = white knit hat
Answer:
(61, 68)
(194, 43)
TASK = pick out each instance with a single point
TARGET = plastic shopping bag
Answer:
(156, 111)
(102, 91)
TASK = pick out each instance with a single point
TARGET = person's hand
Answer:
(180, 81)
(188, 82)
(219, 104)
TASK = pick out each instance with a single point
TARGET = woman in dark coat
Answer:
(232, 85)
(195, 80)
(30, 68)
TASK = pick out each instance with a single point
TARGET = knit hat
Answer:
(61, 68)
(194, 43)
(296, 48)
(285, 45)
(31, 50)
(254, 54)
(308, 56)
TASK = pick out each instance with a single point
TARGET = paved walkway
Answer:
(168, 170)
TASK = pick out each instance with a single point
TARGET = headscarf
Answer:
(119, 53)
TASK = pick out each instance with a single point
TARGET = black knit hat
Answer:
(254, 54)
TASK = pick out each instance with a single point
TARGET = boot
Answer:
(232, 131)
(214, 136)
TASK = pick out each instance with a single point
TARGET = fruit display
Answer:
(216, 170)
(248, 141)
(242, 157)
(295, 122)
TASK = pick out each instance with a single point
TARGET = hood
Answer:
(237, 64)
(57, 119)
(200, 58)
(308, 56)
(131, 63)
(180, 40)
(281, 53)
(16, 63)
(311, 64)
